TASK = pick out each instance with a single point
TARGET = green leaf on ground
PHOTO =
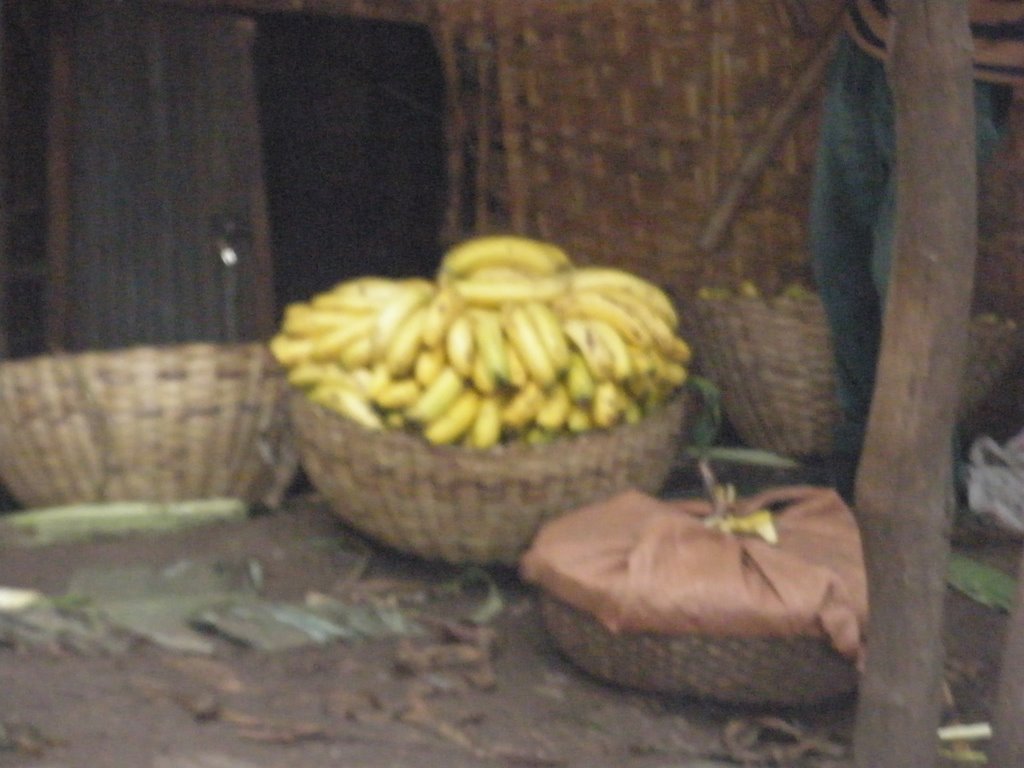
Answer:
(982, 583)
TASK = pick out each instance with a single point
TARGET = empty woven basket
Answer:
(773, 362)
(786, 671)
(465, 505)
(145, 424)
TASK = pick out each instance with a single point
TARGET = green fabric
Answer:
(851, 221)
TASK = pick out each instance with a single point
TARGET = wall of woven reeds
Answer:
(620, 129)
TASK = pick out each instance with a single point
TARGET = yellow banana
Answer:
(533, 256)
(443, 308)
(522, 407)
(678, 351)
(517, 376)
(675, 374)
(307, 375)
(348, 403)
(590, 304)
(398, 394)
(387, 322)
(455, 421)
(329, 346)
(489, 342)
(358, 353)
(622, 362)
(359, 295)
(496, 292)
(549, 330)
(608, 404)
(483, 377)
(633, 411)
(301, 319)
(611, 279)
(429, 363)
(591, 348)
(438, 397)
(400, 354)
(578, 379)
(579, 420)
(289, 351)
(552, 414)
(524, 339)
(536, 435)
(460, 346)
(486, 429)
(657, 327)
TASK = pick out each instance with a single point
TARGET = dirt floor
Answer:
(479, 684)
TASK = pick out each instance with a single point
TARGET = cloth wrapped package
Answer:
(638, 564)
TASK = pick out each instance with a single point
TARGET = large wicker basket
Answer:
(773, 362)
(463, 505)
(145, 424)
(788, 671)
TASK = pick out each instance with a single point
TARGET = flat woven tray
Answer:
(145, 424)
(773, 362)
(464, 505)
(788, 671)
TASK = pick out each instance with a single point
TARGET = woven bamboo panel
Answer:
(621, 124)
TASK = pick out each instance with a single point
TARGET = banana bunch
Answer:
(510, 341)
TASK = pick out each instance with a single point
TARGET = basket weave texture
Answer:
(615, 127)
(774, 364)
(463, 505)
(147, 423)
(786, 671)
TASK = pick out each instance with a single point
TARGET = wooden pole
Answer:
(1007, 748)
(903, 486)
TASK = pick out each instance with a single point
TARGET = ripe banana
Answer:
(526, 254)
(622, 362)
(348, 403)
(517, 376)
(290, 351)
(454, 422)
(358, 295)
(489, 342)
(438, 397)
(495, 292)
(486, 429)
(443, 308)
(523, 406)
(553, 413)
(597, 306)
(460, 346)
(327, 347)
(578, 379)
(609, 278)
(398, 394)
(579, 420)
(608, 405)
(387, 322)
(549, 330)
(525, 340)
(307, 375)
(358, 354)
(590, 347)
(429, 363)
(303, 320)
(400, 354)
(483, 377)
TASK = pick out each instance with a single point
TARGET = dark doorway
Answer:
(352, 125)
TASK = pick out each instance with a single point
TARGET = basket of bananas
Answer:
(147, 423)
(449, 418)
(772, 359)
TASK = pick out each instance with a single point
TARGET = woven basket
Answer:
(773, 362)
(780, 671)
(145, 424)
(463, 505)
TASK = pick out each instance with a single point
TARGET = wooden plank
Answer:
(401, 11)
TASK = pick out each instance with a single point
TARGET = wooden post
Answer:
(1007, 748)
(903, 487)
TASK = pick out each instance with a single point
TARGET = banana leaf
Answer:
(982, 583)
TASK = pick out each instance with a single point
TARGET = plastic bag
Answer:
(995, 482)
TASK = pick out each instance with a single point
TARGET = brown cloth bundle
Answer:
(641, 564)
